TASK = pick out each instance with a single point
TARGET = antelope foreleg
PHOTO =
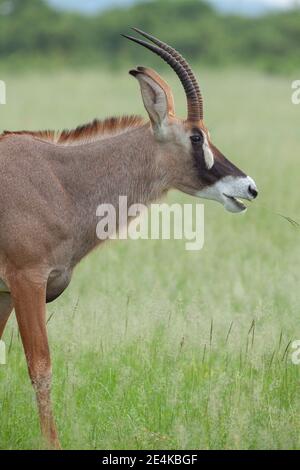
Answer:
(30, 306)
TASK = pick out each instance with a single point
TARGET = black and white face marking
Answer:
(222, 180)
(200, 142)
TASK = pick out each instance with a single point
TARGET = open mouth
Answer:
(234, 204)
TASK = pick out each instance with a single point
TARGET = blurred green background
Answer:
(35, 31)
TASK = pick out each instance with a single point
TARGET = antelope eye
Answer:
(196, 139)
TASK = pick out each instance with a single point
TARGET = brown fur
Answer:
(91, 132)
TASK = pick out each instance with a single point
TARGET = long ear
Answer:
(157, 95)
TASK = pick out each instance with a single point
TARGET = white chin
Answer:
(233, 204)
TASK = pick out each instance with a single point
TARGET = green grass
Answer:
(156, 347)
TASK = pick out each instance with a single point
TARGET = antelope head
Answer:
(196, 165)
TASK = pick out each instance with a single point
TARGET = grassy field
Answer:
(156, 347)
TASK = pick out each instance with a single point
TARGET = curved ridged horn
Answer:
(191, 95)
(181, 60)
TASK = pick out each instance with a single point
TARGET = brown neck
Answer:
(100, 172)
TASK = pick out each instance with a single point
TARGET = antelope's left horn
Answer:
(194, 113)
(181, 60)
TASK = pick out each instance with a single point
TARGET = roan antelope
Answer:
(51, 184)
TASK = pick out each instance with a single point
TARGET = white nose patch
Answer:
(227, 189)
(236, 186)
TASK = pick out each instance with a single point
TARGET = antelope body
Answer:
(51, 185)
